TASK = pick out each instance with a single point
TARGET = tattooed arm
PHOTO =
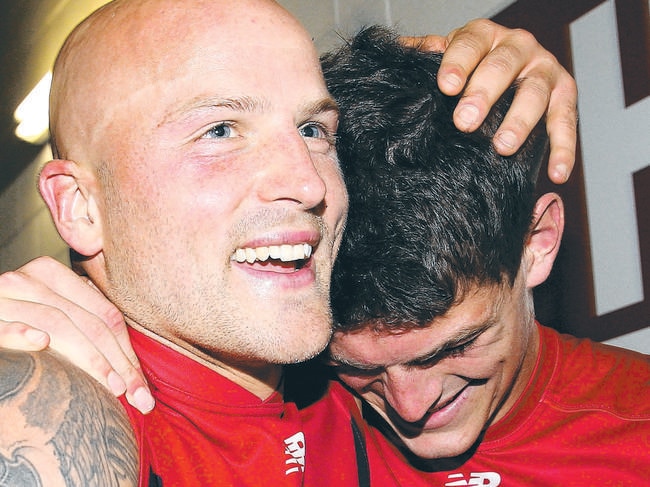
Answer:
(59, 427)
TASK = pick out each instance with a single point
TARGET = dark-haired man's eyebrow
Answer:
(336, 361)
(463, 337)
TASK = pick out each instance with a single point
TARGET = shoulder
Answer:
(591, 374)
(58, 426)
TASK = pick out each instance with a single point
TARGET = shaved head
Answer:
(129, 45)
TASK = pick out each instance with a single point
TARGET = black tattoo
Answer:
(59, 425)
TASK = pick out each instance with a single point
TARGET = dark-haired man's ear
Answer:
(68, 191)
(544, 238)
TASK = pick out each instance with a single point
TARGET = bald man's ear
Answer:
(70, 193)
(544, 239)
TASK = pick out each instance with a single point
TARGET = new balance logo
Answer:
(295, 450)
(488, 479)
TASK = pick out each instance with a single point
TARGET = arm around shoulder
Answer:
(58, 426)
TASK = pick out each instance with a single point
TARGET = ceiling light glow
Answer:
(32, 113)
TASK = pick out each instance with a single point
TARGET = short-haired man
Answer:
(432, 295)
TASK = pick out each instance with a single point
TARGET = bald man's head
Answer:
(188, 132)
(128, 46)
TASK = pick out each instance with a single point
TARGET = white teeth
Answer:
(285, 253)
(262, 253)
(274, 251)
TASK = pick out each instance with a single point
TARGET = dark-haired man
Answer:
(432, 295)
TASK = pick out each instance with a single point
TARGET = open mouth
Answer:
(286, 257)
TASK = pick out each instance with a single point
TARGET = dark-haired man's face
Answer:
(440, 386)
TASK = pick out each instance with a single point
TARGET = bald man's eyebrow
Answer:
(200, 104)
(321, 106)
(246, 104)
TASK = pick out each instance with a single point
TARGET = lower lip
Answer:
(446, 415)
(290, 280)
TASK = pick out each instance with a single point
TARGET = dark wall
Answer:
(566, 301)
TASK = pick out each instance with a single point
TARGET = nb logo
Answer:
(295, 450)
(489, 479)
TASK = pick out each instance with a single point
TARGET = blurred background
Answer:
(601, 283)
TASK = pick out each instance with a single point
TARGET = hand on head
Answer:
(481, 60)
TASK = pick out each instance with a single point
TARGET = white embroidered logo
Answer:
(488, 479)
(296, 451)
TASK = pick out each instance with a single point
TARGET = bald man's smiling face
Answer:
(211, 132)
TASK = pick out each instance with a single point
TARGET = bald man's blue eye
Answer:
(312, 131)
(219, 132)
